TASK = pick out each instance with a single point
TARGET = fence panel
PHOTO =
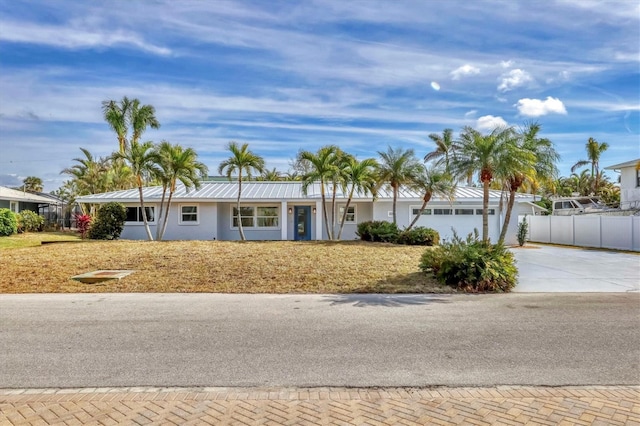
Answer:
(600, 231)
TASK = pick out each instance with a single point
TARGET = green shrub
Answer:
(109, 222)
(523, 230)
(8, 223)
(29, 221)
(471, 265)
(419, 236)
(378, 231)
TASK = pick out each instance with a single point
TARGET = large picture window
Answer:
(351, 214)
(189, 215)
(256, 216)
(134, 214)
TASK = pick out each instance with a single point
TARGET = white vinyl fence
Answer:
(614, 232)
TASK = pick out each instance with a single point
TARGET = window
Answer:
(442, 211)
(416, 210)
(464, 211)
(351, 214)
(638, 177)
(13, 206)
(134, 214)
(189, 215)
(256, 216)
(489, 211)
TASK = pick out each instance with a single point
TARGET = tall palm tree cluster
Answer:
(135, 164)
(510, 159)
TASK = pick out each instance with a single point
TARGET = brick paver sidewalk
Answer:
(323, 406)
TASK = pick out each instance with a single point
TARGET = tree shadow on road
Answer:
(388, 300)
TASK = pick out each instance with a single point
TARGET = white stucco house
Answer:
(281, 211)
(629, 183)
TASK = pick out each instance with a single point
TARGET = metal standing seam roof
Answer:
(273, 191)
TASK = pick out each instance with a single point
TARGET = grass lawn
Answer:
(34, 239)
(214, 266)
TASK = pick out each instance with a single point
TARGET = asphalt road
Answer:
(318, 340)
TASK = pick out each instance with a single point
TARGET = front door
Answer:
(302, 223)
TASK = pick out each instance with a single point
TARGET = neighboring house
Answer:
(629, 183)
(18, 201)
(280, 211)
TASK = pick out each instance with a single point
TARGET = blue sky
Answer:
(285, 75)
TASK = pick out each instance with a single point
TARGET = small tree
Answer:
(83, 223)
(8, 223)
(523, 230)
(109, 222)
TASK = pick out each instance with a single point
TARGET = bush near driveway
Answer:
(471, 265)
(29, 221)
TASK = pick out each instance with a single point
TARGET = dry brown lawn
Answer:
(218, 267)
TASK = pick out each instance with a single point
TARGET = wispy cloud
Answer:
(464, 70)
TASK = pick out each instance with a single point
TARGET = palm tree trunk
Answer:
(242, 237)
(507, 216)
(395, 199)
(144, 211)
(159, 230)
(166, 216)
(324, 210)
(344, 215)
(333, 210)
(425, 201)
(485, 211)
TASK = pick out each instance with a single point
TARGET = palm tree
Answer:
(445, 148)
(176, 164)
(140, 117)
(361, 177)
(433, 181)
(89, 176)
(488, 155)
(532, 159)
(126, 114)
(241, 160)
(32, 184)
(320, 167)
(272, 175)
(115, 114)
(594, 150)
(143, 159)
(398, 168)
(341, 162)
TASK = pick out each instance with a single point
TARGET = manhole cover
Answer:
(100, 276)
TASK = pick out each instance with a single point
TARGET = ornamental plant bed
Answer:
(220, 267)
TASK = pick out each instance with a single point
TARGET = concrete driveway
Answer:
(545, 269)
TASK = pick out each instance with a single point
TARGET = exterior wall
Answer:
(205, 229)
(463, 225)
(227, 233)
(135, 230)
(5, 204)
(629, 191)
(600, 231)
(364, 212)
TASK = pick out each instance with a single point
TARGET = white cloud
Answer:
(514, 78)
(464, 71)
(489, 122)
(506, 64)
(470, 114)
(536, 107)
